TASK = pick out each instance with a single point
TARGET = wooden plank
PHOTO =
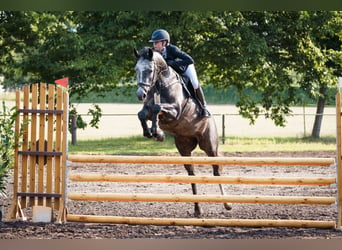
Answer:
(16, 156)
(39, 111)
(230, 180)
(41, 143)
(251, 161)
(64, 145)
(14, 206)
(51, 106)
(39, 153)
(39, 195)
(33, 146)
(24, 161)
(144, 197)
(339, 159)
(58, 146)
(200, 222)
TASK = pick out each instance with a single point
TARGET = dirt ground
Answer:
(30, 230)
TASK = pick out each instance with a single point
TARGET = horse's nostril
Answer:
(141, 94)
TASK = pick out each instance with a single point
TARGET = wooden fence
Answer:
(40, 157)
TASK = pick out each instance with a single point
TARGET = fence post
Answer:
(223, 129)
(73, 130)
(338, 160)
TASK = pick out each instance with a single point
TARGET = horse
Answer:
(171, 108)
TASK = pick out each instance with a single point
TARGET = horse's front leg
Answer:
(156, 132)
(142, 115)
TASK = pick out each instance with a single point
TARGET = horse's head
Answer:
(148, 67)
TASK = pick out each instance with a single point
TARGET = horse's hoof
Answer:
(160, 137)
(148, 135)
(154, 131)
(228, 206)
(198, 213)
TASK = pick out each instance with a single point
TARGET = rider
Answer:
(180, 61)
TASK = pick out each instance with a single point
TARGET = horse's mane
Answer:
(145, 54)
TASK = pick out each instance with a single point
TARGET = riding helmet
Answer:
(160, 35)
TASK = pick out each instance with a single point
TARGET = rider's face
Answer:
(158, 45)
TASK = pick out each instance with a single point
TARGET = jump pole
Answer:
(203, 179)
(144, 197)
(200, 222)
(256, 161)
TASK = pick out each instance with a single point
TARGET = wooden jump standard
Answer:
(40, 157)
(339, 158)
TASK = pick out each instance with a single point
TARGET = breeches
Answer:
(191, 73)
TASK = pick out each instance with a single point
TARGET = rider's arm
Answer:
(177, 58)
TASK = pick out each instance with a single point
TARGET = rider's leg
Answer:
(200, 97)
(191, 73)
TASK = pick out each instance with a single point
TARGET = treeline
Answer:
(273, 59)
(213, 96)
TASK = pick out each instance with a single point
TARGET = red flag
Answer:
(63, 82)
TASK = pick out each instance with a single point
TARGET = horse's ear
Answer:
(150, 52)
(136, 53)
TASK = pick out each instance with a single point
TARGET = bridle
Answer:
(155, 76)
(153, 83)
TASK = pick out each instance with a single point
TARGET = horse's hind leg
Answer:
(211, 147)
(217, 172)
(190, 169)
(185, 146)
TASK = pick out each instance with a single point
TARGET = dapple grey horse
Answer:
(170, 107)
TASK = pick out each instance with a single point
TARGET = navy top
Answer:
(177, 59)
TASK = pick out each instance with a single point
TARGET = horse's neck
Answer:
(169, 77)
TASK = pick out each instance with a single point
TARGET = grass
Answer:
(288, 144)
(139, 145)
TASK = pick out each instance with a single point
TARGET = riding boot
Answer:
(201, 100)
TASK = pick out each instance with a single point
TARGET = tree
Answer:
(321, 54)
(275, 55)
(268, 57)
(40, 47)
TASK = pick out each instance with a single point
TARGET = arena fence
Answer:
(40, 172)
